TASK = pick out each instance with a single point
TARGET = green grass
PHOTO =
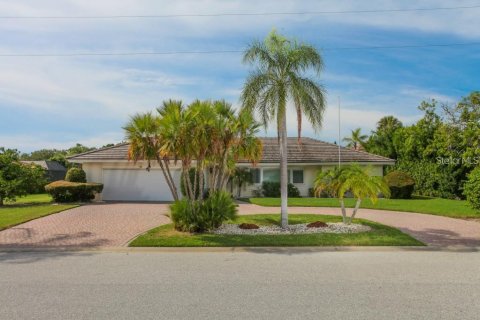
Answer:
(32, 199)
(381, 235)
(29, 208)
(435, 206)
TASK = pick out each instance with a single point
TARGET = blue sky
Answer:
(55, 102)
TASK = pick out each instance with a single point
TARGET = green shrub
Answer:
(293, 191)
(66, 191)
(401, 185)
(204, 215)
(76, 175)
(272, 190)
(472, 188)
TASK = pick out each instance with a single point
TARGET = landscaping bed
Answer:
(436, 206)
(379, 235)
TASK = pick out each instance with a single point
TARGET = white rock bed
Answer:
(293, 229)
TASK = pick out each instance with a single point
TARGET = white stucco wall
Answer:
(94, 172)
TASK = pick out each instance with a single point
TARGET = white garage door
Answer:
(137, 185)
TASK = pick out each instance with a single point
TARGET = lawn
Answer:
(29, 208)
(381, 235)
(435, 206)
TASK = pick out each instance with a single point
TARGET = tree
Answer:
(381, 141)
(208, 136)
(17, 179)
(357, 140)
(279, 78)
(143, 133)
(79, 148)
(241, 176)
(353, 179)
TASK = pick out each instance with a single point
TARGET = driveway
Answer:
(115, 224)
(95, 225)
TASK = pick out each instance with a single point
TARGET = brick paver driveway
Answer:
(95, 225)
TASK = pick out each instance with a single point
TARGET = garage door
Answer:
(137, 185)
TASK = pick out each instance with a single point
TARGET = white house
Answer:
(125, 180)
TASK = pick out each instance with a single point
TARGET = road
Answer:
(293, 284)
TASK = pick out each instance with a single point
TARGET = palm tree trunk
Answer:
(168, 178)
(283, 171)
(344, 212)
(355, 210)
(173, 187)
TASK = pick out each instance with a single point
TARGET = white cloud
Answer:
(27, 143)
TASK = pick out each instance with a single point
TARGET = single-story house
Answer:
(125, 180)
(53, 170)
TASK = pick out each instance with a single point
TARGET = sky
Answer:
(56, 102)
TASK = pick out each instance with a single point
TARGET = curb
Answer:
(258, 250)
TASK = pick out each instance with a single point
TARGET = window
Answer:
(255, 175)
(271, 175)
(297, 176)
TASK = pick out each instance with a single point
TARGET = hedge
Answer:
(65, 191)
(472, 189)
(272, 190)
(401, 184)
(76, 175)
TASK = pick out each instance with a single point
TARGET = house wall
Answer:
(309, 174)
(94, 172)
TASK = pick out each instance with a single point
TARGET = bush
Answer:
(401, 185)
(472, 189)
(204, 215)
(272, 190)
(76, 175)
(293, 191)
(66, 191)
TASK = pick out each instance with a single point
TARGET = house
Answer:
(53, 170)
(125, 180)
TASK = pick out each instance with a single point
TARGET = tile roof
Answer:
(47, 164)
(310, 151)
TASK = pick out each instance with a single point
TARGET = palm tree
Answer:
(357, 140)
(279, 78)
(207, 135)
(239, 178)
(353, 179)
(388, 123)
(143, 133)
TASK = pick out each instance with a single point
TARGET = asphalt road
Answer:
(245, 285)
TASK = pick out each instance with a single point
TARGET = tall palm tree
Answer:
(353, 179)
(143, 133)
(357, 140)
(279, 78)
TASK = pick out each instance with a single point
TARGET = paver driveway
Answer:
(95, 225)
(115, 224)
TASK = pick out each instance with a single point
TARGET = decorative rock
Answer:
(317, 224)
(248, 226)
(293, 229)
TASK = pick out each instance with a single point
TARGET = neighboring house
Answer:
(53, 170)
(126, 181)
